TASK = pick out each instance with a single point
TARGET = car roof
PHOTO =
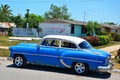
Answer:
(76, 40)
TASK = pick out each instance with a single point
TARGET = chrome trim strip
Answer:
(82, 59)
(59, 57)
(36, 54)
(62, 62)
(46, 55)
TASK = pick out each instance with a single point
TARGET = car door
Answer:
(66, 53)
(48, 52)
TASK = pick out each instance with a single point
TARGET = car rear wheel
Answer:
(80, 68)
(19, 61)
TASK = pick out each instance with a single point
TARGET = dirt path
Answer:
(4, 47)
(111, 48)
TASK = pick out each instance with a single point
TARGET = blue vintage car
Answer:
(61, 51)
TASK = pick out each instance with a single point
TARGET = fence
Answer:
(29, 32)
(3, 33)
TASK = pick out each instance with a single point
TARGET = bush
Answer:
(115, 36)
(10, 32)
(117, 60)
(97, 40)
(103, 32)
(93, 40)
(103, 39)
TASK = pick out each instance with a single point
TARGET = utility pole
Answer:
(27, 15)
(84, 16)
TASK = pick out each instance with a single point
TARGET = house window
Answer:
(72, 28)
(84, 30)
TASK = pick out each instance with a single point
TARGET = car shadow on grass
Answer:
(63, 71)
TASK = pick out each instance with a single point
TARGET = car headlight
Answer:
(107, 60)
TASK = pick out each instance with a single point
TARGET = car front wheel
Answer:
(80, 68)
(19, 61)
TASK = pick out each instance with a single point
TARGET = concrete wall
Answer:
(55, 29)
(31, 32)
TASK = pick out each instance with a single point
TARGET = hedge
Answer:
(103, 39)
(115, 36)
(98, 40)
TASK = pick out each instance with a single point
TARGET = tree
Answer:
(110, 23)
(5, 13)
(57, 12)
(33, 20)
(18, 20)
(92, 27)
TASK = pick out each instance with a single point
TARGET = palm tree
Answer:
(5, 13)
(92, 27)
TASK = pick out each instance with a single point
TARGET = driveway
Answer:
(34, 72)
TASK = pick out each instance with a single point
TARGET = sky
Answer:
(80, 10)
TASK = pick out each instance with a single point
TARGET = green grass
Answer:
(110, 44)
(4, 41)
(4, 53)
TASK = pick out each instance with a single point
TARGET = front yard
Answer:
(4, 41)
(4, 53)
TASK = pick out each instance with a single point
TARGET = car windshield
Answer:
(85, 45)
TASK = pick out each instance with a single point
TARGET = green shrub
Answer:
(103, 39)
(98, 40)
(115, 36)
(10, 32)
(103, 32)
(111, 38)
(117, 60)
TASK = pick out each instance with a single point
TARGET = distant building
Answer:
(4, 26)
(71, 28)
(110, 28)
(62, 27)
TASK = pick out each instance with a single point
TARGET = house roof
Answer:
(79, 23)
(118, 28)
(7, 25)
(65, 21)
(110, 26)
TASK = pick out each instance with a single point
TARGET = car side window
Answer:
(46, 42)
(67, 44)
(50, 42)
(54, 43)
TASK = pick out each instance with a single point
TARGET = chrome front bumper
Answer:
(106, 68)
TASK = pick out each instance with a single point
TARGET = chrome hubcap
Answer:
(19, 61)
(79, 67)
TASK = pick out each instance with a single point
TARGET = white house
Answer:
(62, 27)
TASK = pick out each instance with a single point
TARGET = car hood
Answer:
(99, 52)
